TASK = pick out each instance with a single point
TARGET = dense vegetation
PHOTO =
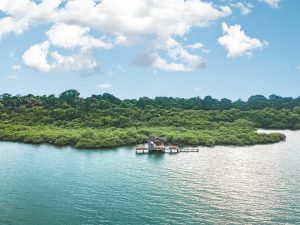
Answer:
(105, 121)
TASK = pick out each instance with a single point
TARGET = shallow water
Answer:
(249, 185)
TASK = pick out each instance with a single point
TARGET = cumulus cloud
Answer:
(237, 42)
(8, 25)
(71, 36)
(84, 60)
(67, 37)
(272, 3)
(177, 52)
(168, 17)
(36, 57)
(24, 13)
(177, 57)
(122, 21)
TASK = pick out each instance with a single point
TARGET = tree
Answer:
(210, 103)
(296, 109)
(258, 102)
(112, 99)
(145, 101)
(225, 103)
(71, 97)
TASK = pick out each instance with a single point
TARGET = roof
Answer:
(156, 139)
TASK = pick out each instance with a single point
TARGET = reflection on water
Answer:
(248, 185)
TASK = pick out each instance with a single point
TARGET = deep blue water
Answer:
(41, 185)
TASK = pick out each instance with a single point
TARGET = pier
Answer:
(168, 149)
(156, 145)
(189, 149)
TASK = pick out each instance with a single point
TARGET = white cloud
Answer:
(177, 57)
(168, 17)
(24, 13)
(71, 36)
(272, 3)
(104, 86)
(131, 17)
(195, 46)
(9, 25)
(67, 37)
(160, 63)
(245, 8)
(237, 42)
(36, 57)
(177, 52)
(123, 22)
(83, 61)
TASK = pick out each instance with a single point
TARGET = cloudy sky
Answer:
(134, 48)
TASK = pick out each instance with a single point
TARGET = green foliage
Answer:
(101, 138)
(295, 110)
(105, 121)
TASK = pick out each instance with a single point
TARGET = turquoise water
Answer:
(249, 185)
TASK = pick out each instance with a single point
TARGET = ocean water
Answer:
(41, 185)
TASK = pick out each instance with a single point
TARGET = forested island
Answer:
(103, 121)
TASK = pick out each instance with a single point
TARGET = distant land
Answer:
(103, 121)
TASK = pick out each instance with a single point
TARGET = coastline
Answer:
(87, 138)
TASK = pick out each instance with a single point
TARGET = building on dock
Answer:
(156, 143)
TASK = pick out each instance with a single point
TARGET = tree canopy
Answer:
(105, 121)
(71, 98)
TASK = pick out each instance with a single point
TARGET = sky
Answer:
(135, 48)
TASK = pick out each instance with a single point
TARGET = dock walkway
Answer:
(141, 150)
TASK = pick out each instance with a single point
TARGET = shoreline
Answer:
(279, 138)
(132, 146)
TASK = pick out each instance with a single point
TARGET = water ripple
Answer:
(221, 185)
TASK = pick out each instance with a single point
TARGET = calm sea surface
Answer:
(41, 185)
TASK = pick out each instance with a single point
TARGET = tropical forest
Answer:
(103, 121)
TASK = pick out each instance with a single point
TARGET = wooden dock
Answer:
(189, 150)
(147, 151)
(143, 150)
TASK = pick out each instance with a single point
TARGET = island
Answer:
(104, 121)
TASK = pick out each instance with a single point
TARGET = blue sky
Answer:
(136, 48)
